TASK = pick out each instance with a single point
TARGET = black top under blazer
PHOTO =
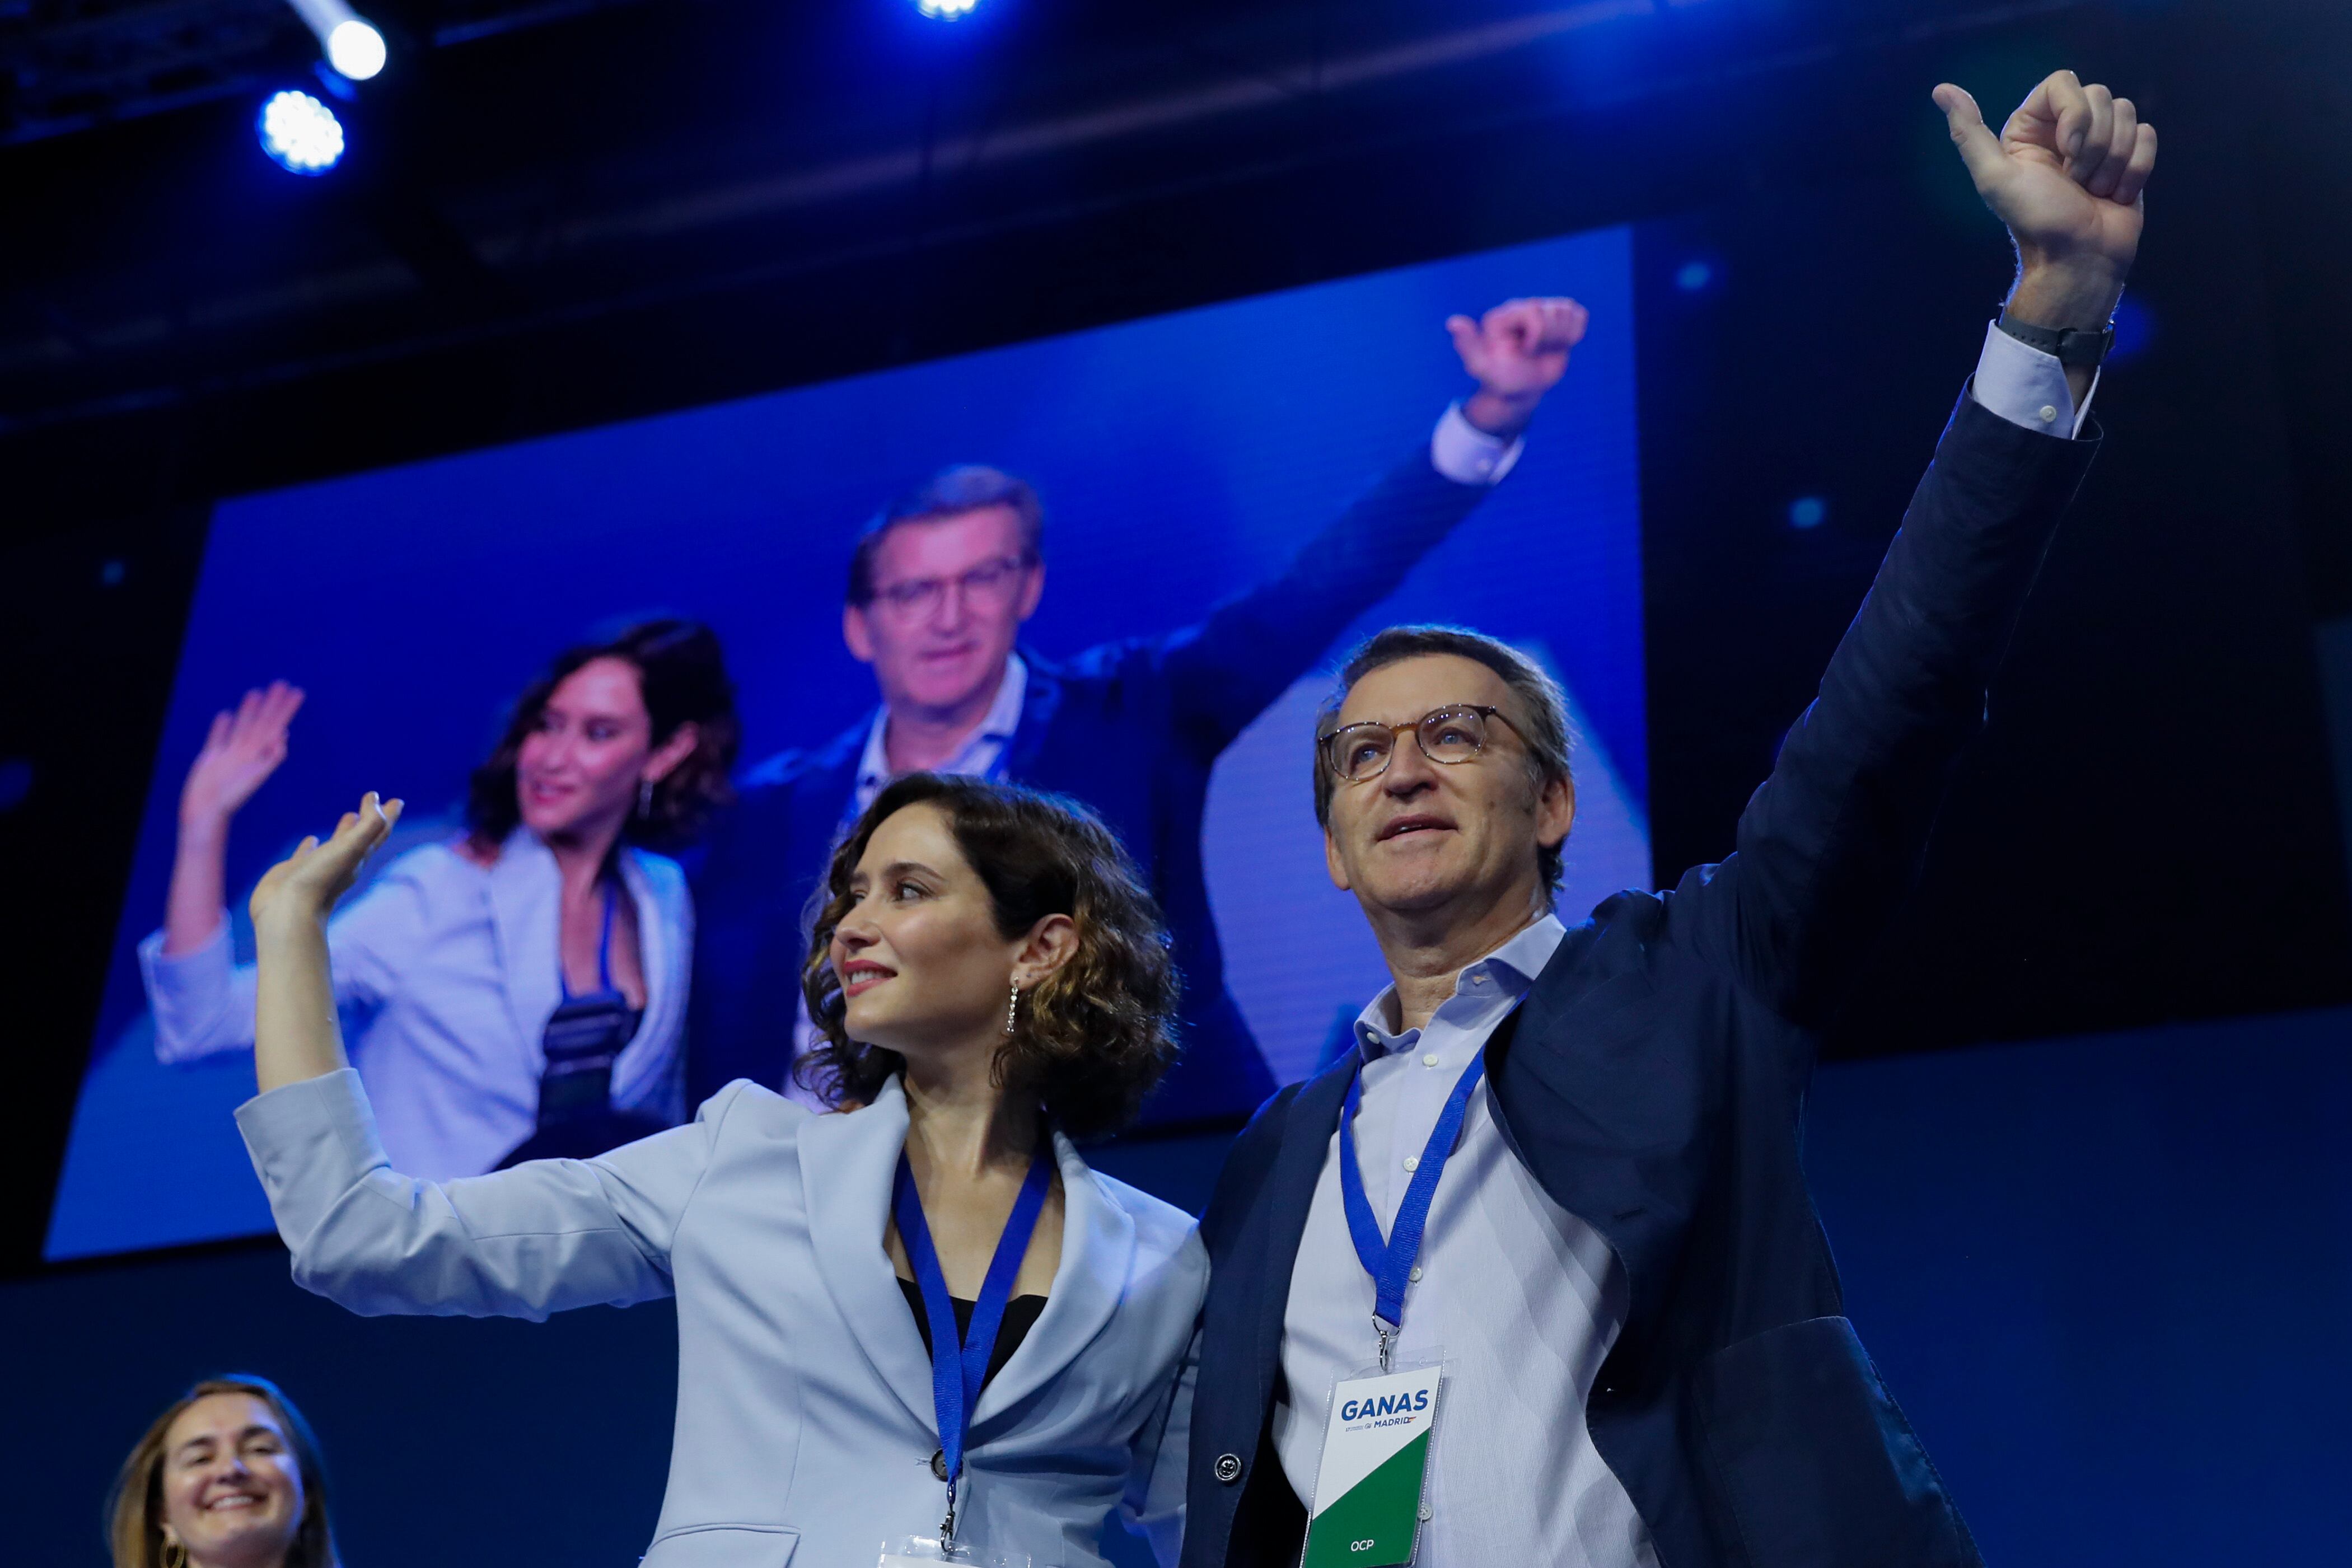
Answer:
(1653, 1084)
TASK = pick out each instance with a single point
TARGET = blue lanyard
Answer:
(958, 1371)
(604, 953)
(1389, 1261)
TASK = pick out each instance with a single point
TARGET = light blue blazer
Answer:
(446, 972)
(804, 1419)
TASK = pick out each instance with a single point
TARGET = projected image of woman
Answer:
(919, 1310)
(518, 989)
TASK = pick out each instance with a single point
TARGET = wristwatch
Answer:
(2075, 349)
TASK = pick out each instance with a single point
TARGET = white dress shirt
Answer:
(978, 758)
(1519, 1298)
(2028, 387)
(444, 974)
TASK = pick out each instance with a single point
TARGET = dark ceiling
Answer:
(553, 214)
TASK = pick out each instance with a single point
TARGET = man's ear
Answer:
(1032, 589)
(1555, 811)
(857, 633)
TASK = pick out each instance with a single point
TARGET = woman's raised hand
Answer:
(241, 749)
(295, 1033)
(306, 883)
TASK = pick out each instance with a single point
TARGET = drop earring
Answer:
(644, 797)
(1012, 1009)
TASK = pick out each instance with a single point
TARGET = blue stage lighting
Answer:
(1693, 277)
(1808, 512)
(352, 43)
(16, 782)
(945, 10)
(355, 49)
(300, 132)
(2135, 330)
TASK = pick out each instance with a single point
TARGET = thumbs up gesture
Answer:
(2066, 174)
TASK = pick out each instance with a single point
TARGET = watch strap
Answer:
(2075, 348)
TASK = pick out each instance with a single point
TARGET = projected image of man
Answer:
(939, 586)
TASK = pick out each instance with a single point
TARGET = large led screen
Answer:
(1180, 461)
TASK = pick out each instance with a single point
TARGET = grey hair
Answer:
(1542, 718)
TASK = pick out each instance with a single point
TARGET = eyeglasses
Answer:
(989, 585)
(1359, 753)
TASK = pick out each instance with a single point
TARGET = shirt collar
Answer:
(974, 756)
(1508, 972)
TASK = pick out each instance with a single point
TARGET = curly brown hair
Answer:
(134, 1508)
(682, 677)
(1097, 1035)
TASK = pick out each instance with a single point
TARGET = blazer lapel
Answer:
(659, 932)
(825, 793)
(848, 1163)
(1097, 1253)
(523, 897)
(1305, 1138)
(1596, 1117)
(1038, 705)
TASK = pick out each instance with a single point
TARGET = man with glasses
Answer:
(940, 585)
(1532, 1275)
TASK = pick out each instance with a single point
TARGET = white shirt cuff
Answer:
(188, 993)
(1467, 455)
(2028, 387)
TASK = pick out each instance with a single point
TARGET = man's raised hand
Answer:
(1518, 351)
(2066, 174)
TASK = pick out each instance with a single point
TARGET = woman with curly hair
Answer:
(918, 1324)
(227, 1477)
(518, 989)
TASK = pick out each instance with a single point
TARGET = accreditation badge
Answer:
(1370, 1487)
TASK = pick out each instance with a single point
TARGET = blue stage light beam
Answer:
(352, 43)
(945, 10)
(301, 133)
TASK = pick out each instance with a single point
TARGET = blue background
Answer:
(1180, 458)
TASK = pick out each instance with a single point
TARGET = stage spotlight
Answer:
(300, 132)
(1808, 512)
(1694, 276)
(945, 10)
(352, 43)
(355, 49)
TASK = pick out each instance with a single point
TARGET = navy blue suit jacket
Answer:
(1653, 1084)
(1132, 728)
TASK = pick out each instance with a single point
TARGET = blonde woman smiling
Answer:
(227, 1477)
